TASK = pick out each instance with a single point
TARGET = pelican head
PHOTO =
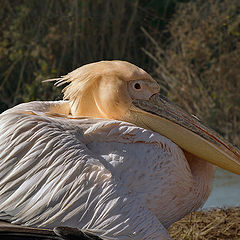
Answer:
(122, 91)
(107, 89)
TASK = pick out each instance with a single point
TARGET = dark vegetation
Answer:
(43, 39)
(191, 47)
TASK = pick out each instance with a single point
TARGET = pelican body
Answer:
(113, 158)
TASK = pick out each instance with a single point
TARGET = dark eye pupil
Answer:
(137, 86)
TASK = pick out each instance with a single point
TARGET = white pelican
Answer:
(113, 158)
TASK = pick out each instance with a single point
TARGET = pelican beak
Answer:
(160, 115)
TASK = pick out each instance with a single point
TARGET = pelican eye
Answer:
(137, 86)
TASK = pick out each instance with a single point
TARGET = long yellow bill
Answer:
(162, 116)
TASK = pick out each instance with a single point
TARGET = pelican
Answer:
(114, 157)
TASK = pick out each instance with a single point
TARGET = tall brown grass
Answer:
(199, 66)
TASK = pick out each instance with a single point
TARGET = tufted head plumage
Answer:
(106, 89)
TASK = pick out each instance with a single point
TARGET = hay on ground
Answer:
(214, 224)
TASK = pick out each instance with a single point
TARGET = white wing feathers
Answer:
(49, 176)
(61, 107)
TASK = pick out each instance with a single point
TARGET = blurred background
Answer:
(192, 48)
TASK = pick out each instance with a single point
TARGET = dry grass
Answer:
(199, 66)
(215, 224)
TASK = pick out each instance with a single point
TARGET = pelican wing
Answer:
(49, 177)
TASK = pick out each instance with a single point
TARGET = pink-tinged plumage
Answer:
(96, 162)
